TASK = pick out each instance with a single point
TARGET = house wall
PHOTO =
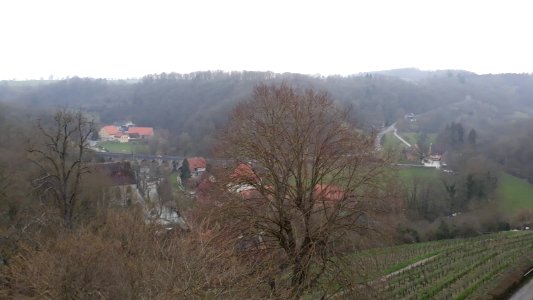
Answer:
(104, 136)
(124, 139)
(123, 195)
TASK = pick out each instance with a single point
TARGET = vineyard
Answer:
(447, 269)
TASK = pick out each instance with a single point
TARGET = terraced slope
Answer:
(449, 269)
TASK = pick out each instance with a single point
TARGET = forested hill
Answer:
(188, 108)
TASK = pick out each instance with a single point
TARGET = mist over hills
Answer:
(188, 108)
(414, 74)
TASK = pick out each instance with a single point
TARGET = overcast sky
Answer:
(121, 39)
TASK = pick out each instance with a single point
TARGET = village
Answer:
(165, 187)
(155, 184)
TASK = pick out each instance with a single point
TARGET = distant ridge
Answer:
(414, 74)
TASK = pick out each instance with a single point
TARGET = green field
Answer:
(132, 147)
(173, 179)
(412, 137)
(515, 193)
(390, 142)
(447, 269)
(406, 174)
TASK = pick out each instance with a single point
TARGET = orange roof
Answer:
(249, 194)
(110, 129)
(329, 192)
(196, 163)
(243, 174)
(143, 131)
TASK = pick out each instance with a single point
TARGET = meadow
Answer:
(131, 147)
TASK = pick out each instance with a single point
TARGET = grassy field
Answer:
(173, 179)
(515, 193)
(447, 269)
(406, 174)
(183, 199)
(412, 137)
(392, 143)
(117, 147)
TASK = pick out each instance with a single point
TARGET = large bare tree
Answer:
(60, 159)
(307, 178)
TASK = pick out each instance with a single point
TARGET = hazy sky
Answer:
(119, 39)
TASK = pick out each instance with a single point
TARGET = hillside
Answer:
(191, 106)
(475, 268)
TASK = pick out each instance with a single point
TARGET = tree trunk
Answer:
(67, 217)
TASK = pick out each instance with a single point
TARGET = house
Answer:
(120, 179)
(108, 132)
(124, 138)
(125, 133)
(143, 132)
(410, 117)
(197, 165)
(328, 193)
(134, 137)
(243, 174)
(432, 160)
(412, 153)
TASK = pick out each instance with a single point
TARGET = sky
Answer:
(128, 39)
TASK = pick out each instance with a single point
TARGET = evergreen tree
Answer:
(185, 171)
(472, 136)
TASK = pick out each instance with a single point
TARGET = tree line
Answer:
(188, 108)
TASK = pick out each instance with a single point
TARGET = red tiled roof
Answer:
(196, 163)
(249, 194)
(329, 192)
(110, 129)
(243, 174)
(143, 131)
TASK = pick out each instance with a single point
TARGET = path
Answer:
(524, 293)
(385, 277)
(380, 135)
(387, 130)
(409, 267)
(400, 138)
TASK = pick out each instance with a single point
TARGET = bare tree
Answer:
(60, 160)
(310, 178)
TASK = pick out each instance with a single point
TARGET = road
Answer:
(387, 130)
(400, 138)
(524, 293)
(382, 133)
